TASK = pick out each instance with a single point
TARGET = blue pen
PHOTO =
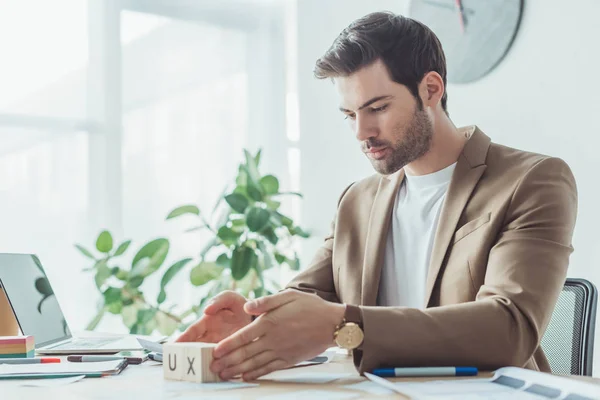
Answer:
(425, 371)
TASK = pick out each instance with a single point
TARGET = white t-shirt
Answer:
(410, 239)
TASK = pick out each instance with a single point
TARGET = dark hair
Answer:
(408, 48)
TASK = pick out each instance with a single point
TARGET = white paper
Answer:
(182, 386)
(311, 395)
(51, 382)
(475, 389)
(369, 387)
(310, 377)
(59, 368)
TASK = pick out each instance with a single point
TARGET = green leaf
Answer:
(257, 157)
(112, 295)
(204, 273)
(254, 192)
(136, 281)
(144, 316)
(122, 275)
(162, 296)
(94, 322)
(155, 251)
(104, 243)
(257, 218)
(102, 274)
(252, 168)
(115, 308)
(122, 248)
(237, 202)
(280, 258)
(270, 235)
(296, 230)
(169, 274)
(223, 260)
(85, 251)
(272, 204)
(270, 184)
(187, 209)
(242, 178)
(285, 221)
(228, 235)
(242, 260)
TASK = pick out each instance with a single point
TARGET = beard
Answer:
(415, 141)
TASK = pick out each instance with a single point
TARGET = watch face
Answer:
(475, 34)
(350, 336)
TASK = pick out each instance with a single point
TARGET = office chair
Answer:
(569, 339)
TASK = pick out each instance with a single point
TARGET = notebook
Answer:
(92, 369)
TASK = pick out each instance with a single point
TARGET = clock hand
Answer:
(461, 14)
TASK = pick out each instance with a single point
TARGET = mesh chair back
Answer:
(569, 339)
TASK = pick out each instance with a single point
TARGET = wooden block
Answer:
(173, 361)
(189, 362)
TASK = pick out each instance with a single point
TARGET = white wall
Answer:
(543, 97)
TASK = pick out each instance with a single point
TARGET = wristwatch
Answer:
(349, 334)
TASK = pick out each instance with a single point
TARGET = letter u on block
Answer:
(173, 362)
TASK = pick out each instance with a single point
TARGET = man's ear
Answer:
(432, 89)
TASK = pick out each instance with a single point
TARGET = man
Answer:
(453, 254)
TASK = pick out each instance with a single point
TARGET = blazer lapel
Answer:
(469, 169)
(379, 223)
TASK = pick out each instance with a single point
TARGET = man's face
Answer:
(390, 124)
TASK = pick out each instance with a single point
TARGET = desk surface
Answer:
(145, 382)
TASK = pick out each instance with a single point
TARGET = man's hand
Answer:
(223, 316)
(292, 326)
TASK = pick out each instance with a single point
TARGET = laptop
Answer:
(38, 313)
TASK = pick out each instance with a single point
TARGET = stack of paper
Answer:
(17, 347)
(64, 369)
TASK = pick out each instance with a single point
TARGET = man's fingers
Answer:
(250, 364)
(274, 365)
(228, 299)
(241, 338)
(194, 332)
(239, 356)
(268, 303)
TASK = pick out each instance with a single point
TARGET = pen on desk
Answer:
(93, 358)
(156, 357)
(46, 360)
(425, 371)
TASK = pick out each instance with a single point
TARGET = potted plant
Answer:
(249, 236)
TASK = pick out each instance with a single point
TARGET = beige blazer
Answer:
(498, 263)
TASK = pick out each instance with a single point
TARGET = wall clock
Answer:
(475, 34)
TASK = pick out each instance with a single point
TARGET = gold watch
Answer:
(349, 334)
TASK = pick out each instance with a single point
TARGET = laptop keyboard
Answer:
(84, 344)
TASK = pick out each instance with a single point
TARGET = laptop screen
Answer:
(32, 299)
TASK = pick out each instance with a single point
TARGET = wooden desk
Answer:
(145, 382)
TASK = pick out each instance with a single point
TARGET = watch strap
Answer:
(353, 314)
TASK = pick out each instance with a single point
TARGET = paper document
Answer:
(62, 368)
(311, 395)
(51, 382)
(507, 383)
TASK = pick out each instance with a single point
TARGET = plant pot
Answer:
(8, 322)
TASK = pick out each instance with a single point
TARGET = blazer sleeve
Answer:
(525, 273)
(318, 277)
